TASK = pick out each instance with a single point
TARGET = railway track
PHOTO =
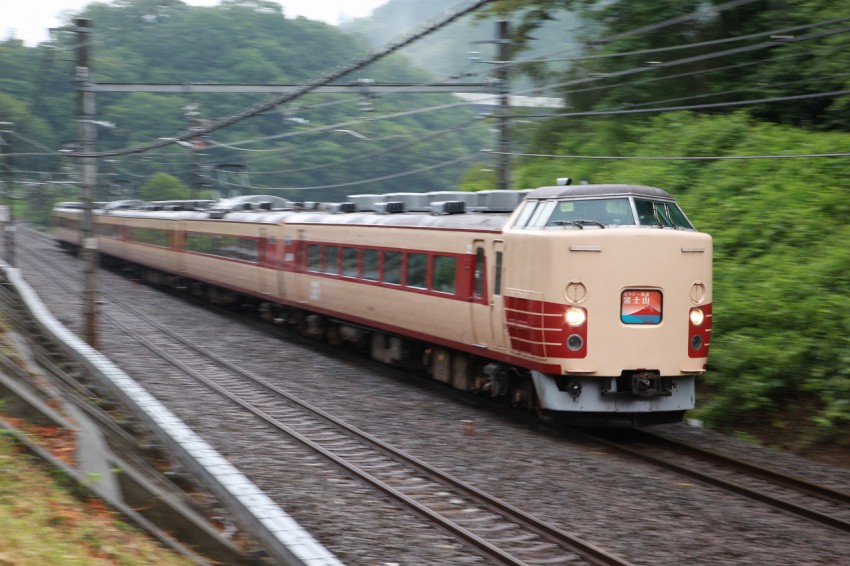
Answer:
(790, 494)
(494, 529)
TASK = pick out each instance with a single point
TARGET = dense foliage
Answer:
(660, 53)
(471, 38)
(781, 336)
(236, 42)
(780, 344)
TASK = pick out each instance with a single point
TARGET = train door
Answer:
(302, 290)
(497, 301)
(486, 305)
(266, 261)
(284, 256)
(177, 257)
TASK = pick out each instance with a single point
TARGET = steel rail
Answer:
(775, 502)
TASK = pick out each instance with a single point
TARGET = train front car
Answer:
(608, 291)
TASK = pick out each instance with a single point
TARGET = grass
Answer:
(42, 523)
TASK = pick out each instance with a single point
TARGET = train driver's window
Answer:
(652, 213)
(392, 268)
(581, 213)
(370, 265)
(647, 213)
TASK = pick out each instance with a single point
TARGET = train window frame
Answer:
(416, 271)
(479, 273)
(608, 212)
(391, 271)
(444, 278)
(525, 214)
(350, 264)
(332, 256)
(156, 237)
(665, 214)
(541, 214)
(370, 271)
(497, 279)
(313, 258)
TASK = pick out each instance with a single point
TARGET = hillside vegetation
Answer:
(765, 79)
(303, 144)
(781, 337)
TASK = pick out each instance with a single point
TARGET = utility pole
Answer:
(86, 136)
(503, 75)
(195, 144)
(8, 177)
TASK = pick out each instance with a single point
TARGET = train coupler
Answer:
(650, 384)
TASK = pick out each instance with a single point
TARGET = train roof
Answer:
(588, 191)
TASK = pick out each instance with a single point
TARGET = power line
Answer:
(695, 106)
(676, 20)
(323, 80)
(680, 157)
(374, 154)
(776, 32)
(643, 29)
(384, 177)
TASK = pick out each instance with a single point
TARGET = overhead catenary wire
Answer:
(677, 157)
(374, 154)
(650, 27)
(375, 179)
(630, 71)
(683, 46)
(350, 123)
(276, 101)
(707, 106)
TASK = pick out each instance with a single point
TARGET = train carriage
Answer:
(589, 301)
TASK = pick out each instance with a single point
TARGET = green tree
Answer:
(801, 49)
(163, 186)
(779, 346)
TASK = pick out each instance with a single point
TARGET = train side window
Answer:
(525, 214)
(370, 265)
(480, 271)
(417, 271)
(314, 258)
(542, 214)
(497, 280)
(250, 250)
(349, 262)
(444, 274)
(332, 260)
(392, 268)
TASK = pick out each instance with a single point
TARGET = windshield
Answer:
(601, 213)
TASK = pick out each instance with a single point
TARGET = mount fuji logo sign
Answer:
(641, 306)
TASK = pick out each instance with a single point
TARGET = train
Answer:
(591, 303)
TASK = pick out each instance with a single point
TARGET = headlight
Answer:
(697, 317)
(576, 316)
